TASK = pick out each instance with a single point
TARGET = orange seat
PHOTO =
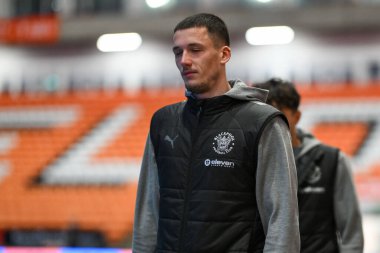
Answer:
(110, 209)
(348, 136)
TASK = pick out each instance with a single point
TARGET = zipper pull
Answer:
(199, 111)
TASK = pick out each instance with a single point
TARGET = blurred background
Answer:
(75, 103)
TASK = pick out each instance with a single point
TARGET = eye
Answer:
(177, 52)
(195, 49)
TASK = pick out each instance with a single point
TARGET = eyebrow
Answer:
(190, 45)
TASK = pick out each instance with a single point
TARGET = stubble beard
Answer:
(198, 88)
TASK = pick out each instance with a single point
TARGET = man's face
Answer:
(198, 59)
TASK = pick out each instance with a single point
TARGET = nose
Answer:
(185, 59)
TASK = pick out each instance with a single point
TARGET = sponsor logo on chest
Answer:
(313, 177)
(222, 144)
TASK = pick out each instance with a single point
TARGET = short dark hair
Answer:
(215, 26)
(282, 94)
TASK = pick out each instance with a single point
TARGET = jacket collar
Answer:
(239, 92)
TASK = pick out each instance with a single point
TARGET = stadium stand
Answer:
(39, 133)
(348, 136)
(74, 158)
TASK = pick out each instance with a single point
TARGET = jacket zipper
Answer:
(194, 137)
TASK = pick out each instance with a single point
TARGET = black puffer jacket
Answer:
(316, 170)
(206, 153)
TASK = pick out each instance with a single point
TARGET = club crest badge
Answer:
(223, 143)
(315, 176)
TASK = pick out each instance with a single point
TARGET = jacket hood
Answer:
(308, 141)
(240, 91)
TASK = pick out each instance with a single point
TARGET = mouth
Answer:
(188, 73)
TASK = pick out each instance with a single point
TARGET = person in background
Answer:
(329, 214)
(218, 172)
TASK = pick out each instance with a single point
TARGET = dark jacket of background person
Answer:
(327, 200)
(329, 214)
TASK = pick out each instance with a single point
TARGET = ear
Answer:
(225, 54)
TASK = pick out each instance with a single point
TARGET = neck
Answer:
(219, 88)
(296, 141)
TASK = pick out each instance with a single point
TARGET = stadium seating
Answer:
(74, 158)
(46, 131)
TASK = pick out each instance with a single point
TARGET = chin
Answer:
(198, 91)
(192, 86)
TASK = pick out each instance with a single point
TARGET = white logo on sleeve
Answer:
(223, 143)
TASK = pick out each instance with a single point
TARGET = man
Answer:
(330, 219)
(218, 172)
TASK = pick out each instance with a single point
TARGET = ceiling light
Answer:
(270, 35)
(264, 1)
(156, 3)
(119, 42)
